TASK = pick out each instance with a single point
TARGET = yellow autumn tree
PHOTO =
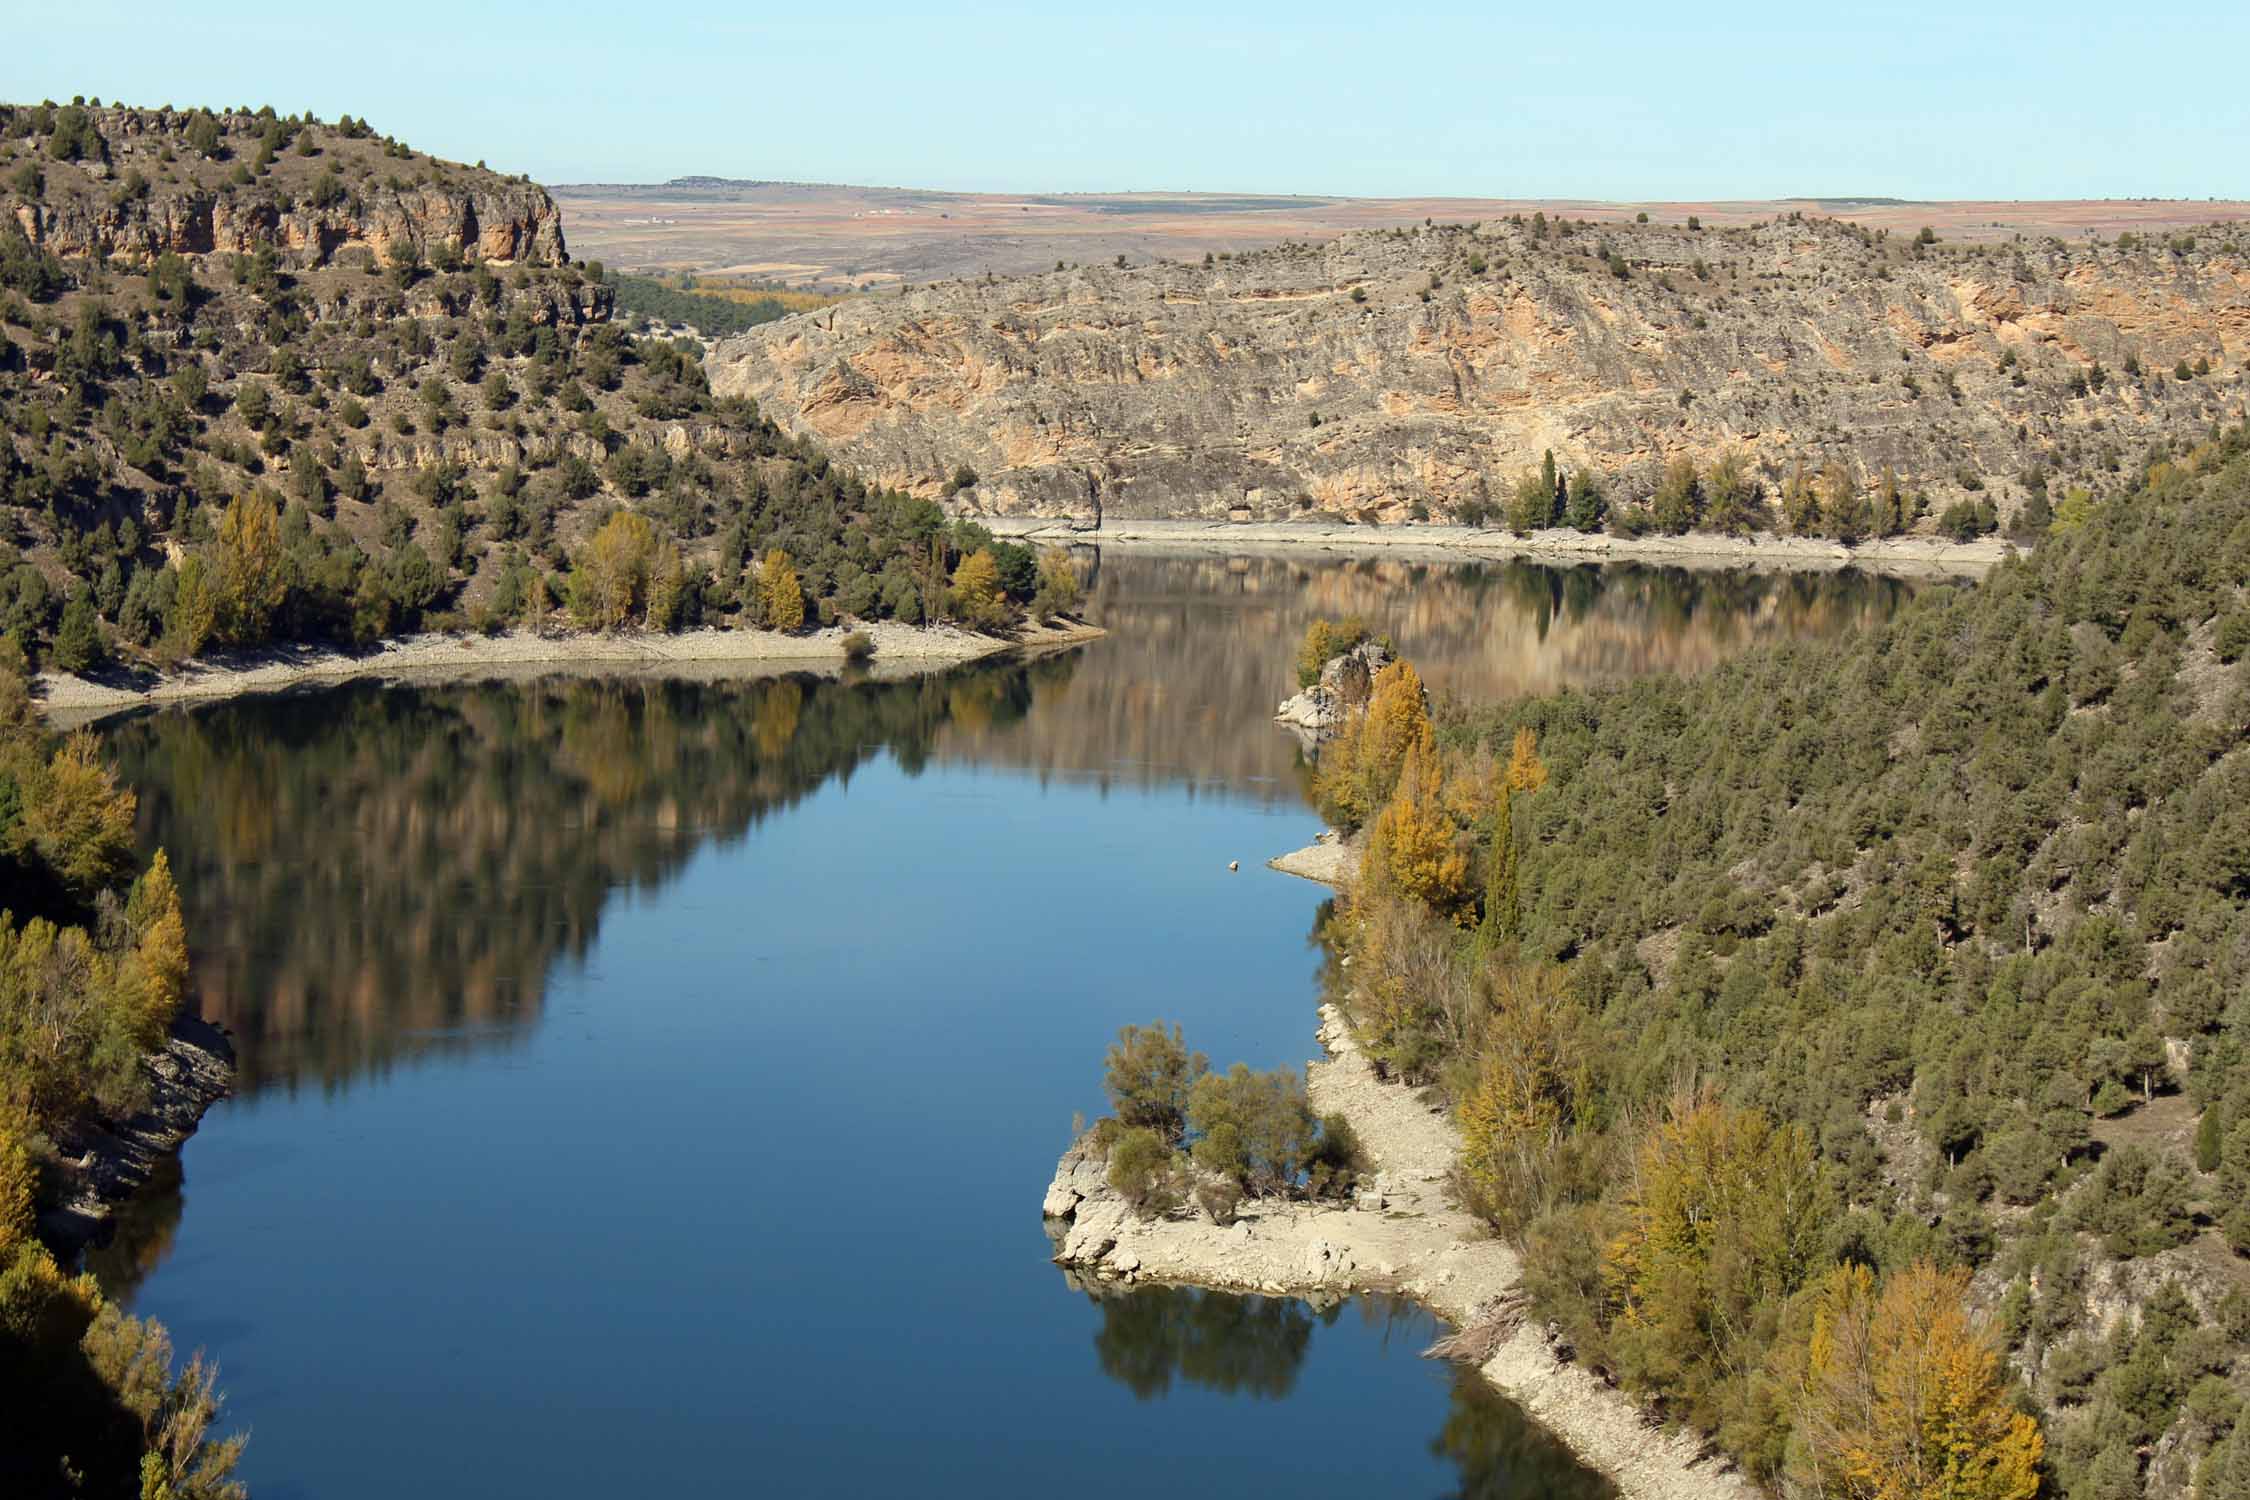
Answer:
(253, 575)
(1523, 1098)
(78, 819)
(195, 609)
(1360, 768)
(1526, 771)
(1412, 847)
(609, 574)
(977, 596)
(667, 585)
(18, 1178)
(1723, 1218)
(1503, 880)
(780, 593)
(152, 975)
(1900, 1394)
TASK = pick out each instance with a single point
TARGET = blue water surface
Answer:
(650, 1088)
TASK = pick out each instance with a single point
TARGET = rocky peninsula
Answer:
(1403, 1234)
(108, 1161)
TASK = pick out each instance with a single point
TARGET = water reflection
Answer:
(1201, 647)
(1503, 1455)
(1152, 1336)
(1238, 1346)
(374, 873)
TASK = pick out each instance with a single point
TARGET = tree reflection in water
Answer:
(1239, 1346)
(1252, 1346)
(1504, 1455)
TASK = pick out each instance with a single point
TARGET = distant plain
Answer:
(835, 238)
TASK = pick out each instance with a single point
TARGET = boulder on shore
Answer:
(1345, 682)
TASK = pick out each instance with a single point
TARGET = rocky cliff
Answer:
(1396, 373)
(133, 183)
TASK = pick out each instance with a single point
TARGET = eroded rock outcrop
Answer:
(110, 1160)
(138, 190)
(1345, 682)
(1389, 372)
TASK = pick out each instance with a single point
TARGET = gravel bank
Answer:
(1909, 556)
(1327, 860)
(69, 699)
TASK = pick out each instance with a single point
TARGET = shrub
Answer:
(859, 646)
(1219, 1198)
(1143, 1170)
(1256, 1128)
(1149, 1075)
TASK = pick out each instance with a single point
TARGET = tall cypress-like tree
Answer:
(1503, 915)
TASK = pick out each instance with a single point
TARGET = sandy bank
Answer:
(1403, 1235)
(1327, 860)
(109, 1161)
(1914, 556)
(70, 699)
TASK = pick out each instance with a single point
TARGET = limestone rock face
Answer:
(187, 207)
(1345, 682)
(1387, 372)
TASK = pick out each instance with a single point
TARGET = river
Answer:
(648, 1087)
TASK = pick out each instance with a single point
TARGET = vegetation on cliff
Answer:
(93, 961)
(266, 377)
(1865, 1008)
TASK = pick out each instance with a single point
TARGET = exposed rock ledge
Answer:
(1345, 681)
(1403, 1235)
(112, 1160)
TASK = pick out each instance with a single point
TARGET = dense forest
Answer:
(264, 377)
(93, 961)
(1853, 1037)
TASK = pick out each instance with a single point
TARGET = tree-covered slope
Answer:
(268, 376)
(1925, 950)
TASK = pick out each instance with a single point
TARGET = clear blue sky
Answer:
(1623, 99)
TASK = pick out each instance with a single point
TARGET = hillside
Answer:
(271, 377)
(1919, 948)
(1392, 374)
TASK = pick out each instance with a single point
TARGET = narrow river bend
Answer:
(648, 1087)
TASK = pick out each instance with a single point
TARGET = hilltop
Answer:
(1416, 373)
(271, 377)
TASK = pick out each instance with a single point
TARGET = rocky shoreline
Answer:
(71, 699)
(110, 1161)
(1904, 556)
(1402, 1234)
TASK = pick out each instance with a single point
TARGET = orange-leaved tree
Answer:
(1412, 847)
(1900, 1395)
(1360, 769)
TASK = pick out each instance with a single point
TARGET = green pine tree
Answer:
(2209, 1134)
(1503, 915)
(78, 641)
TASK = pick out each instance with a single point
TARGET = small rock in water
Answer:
(1234, 864)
